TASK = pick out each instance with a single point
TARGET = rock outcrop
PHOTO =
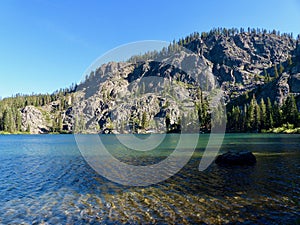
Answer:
(33, 121)
(118, 96)
(236, 158)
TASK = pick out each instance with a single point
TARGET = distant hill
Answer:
(257, 70)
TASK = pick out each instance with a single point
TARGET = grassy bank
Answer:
(285, 129)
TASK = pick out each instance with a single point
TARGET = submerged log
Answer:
(236, 158)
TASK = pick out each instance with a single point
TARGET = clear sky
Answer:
(48, 44)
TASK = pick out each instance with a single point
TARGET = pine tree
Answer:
(290, 110)
(199, 113)
(281, 68)
(18, 121)
(168, 122)
(290, 61)
(8, 121)
(263, 113)
(257, 118)
(276, 71)
(144, 120)
(236, 118)
(267, 78)
(277, 115)
(243, 118)
(250, 120)
(269, 115)
(28, 128)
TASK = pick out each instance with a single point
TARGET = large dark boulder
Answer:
(236, 158)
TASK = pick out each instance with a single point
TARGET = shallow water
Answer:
(44, 179)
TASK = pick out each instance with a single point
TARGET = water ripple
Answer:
(50, 183)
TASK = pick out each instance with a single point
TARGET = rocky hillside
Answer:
(172, 90)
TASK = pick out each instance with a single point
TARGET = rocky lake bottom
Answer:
(45, 180)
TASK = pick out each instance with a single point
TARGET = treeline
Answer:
(10, 109)
(183, 42)
(195, 120)
(231, 32)
(263, 116)
(255, 116)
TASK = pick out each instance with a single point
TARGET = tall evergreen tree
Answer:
(269, 115)
(290, 110)
(276, 71)
(8, 123)
(281, 68)
(250, 119)
(144, 120)
(18, 121)
(263, 114)
(277, 115)
(168, 122)
(236, 113)
(257, 118)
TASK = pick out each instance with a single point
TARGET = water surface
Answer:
(44, 179)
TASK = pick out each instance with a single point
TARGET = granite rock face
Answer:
(244, 52)
(33, 121)
(240, 63)
(120, 93)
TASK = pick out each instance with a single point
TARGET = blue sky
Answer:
(48, 44)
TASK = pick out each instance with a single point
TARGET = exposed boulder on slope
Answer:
(33, 120)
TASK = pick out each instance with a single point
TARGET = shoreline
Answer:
(274, 131)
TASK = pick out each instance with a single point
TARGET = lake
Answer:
(45, 180)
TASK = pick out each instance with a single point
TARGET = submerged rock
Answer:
(236, 158)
